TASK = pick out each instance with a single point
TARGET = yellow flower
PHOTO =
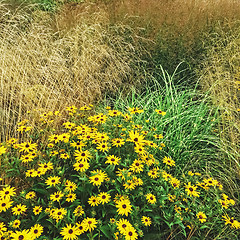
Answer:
(19, 209)
(146, 221)
(89, 223)
(37, 210)
(124, 207)
(104, 197)
(93, 201)
(118, 142)
(201, 217)
(53, 181)
(113, 160)
(168, 161)
(191, 190)
(78, 211)
(151, 198)
(70, 232)
(2, 150)
(160, 112)
(122, 225)
(57, 196)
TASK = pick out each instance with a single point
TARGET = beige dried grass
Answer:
(49, 63)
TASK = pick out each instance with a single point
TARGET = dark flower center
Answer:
(35, 231)
(70, 231)
(130, 233)
(124, 226)
(89, 222)
(190, 189)
(124, 206)
(135, 139)
(20, 237)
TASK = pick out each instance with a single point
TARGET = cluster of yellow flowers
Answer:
(98, 169)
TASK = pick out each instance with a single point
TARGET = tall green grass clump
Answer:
(48, 62)
(133, 171)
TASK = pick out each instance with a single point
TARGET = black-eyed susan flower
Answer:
(118, 142)
(36, 230)
(81, 166)
(53, 180)
(231, 221)
(27, 147)
(54, 138)
(25, 234)
(104, 197)
(16, 223)
(146, 221)
(26, 158)
(64, 156)
(93, 201)
(98, 177)
(175, 182)
(37, 210)
(122, 225)
(69, 125)
(135, 110)
(64, 137)
(168, 161)
(58, 214)
(78, 211)
(113, 160)
(114, 113)
(8, 192)
(2, 228)
(124, 207)
(47, 166)
(82, 155)
(103, 146)
(19, 209)
(191, 190)
(70, 232)
(201, 217)
(71, 197)
(72, 109)
(137, 166)
(70, 186)
(151, 198)
(89, 224)
(131, 233)
(31, 173)
(135, 137)
(154, 173)
(5, 204)
(129, 185)
(160, 112)
(81, 228)
(57, 196)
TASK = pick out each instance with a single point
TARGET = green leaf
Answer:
(106, 231)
